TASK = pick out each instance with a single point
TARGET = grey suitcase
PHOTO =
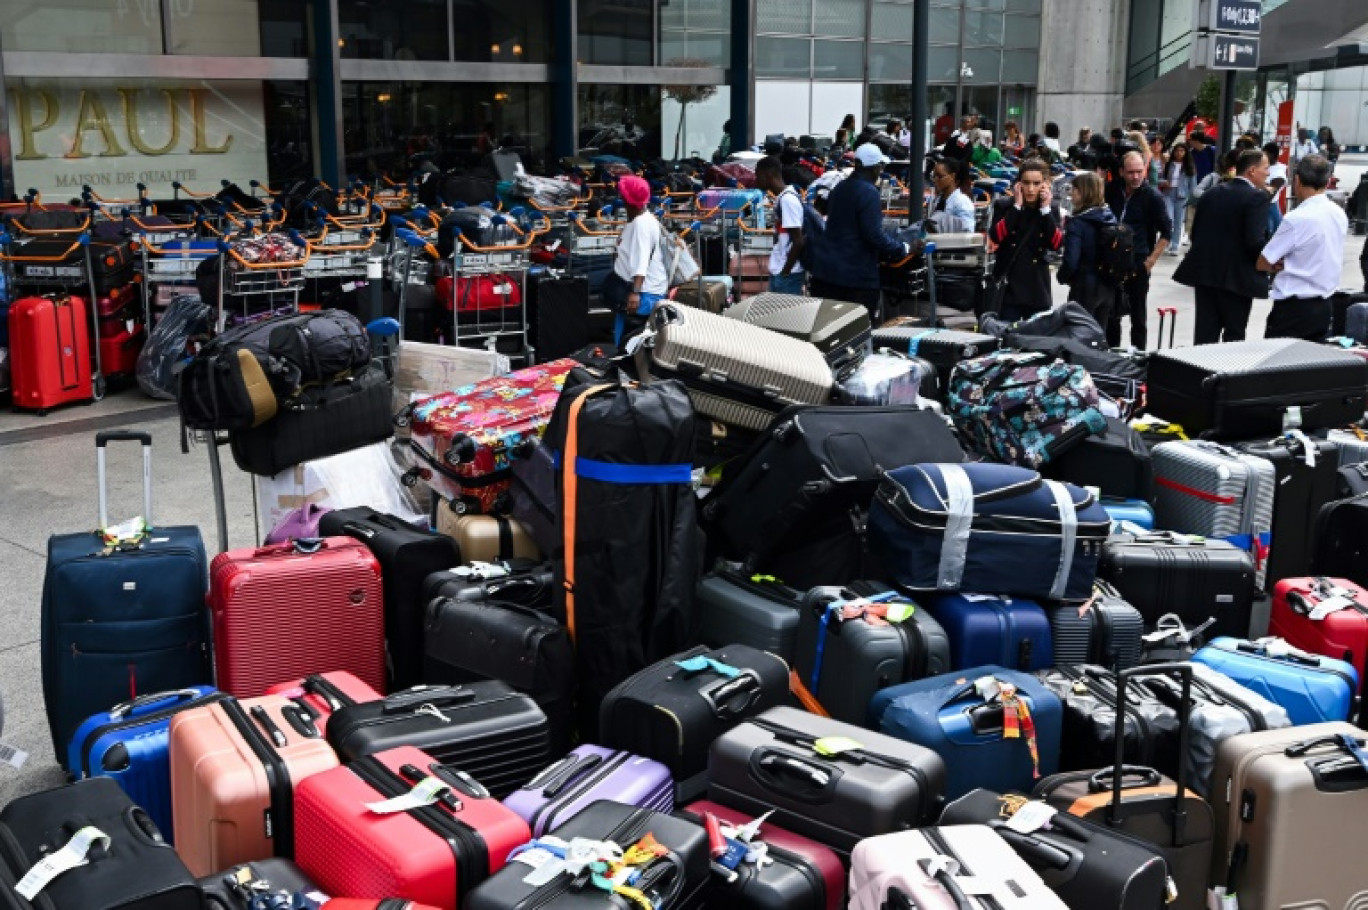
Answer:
(837, 797)
(844, 662)
(736, 608)
(1210, 490)
(1353, 448)
(1356, 322)
(838, 329)
(736, 373)
(1107, 631)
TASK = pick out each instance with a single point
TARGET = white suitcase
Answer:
(956, 867)
(1211, 490)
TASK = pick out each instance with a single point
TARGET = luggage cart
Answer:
(269, 282)
(168, 268)
(912, 279)
(471, 261)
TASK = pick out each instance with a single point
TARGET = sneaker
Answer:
(1173, 252)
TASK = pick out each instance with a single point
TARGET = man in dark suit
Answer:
(1228, 234)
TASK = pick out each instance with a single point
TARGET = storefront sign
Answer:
(1284, 136)
(66, 134)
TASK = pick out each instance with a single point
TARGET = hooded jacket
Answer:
(1079, 267)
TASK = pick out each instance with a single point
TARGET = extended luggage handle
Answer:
(1105, 779)
(102, 441)
(136, 706)
(1184, 672)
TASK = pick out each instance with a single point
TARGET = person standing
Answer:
(786, 275)
(1139, 206)
(1052, 139)
(1023, 230)
(1012, 141)
(1176, 185)
(855, 239)
(1306, 145)
(1328, 146)
(1203, 154)
(1228, 235)
(638, 269)
(1082, 234)
(1078, 148)
(1306, 256)
(953, 211)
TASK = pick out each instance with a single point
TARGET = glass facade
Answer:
(617, 32)
(1160, 40)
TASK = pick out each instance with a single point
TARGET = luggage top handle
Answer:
(737, 684)
(102, 439)
(1323, 768)
(1116, 813)
(142, 701)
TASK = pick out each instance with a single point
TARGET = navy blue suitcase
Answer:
(121, 621)
(130, 743)
(948, 715)
(986, 629)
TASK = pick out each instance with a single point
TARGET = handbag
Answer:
(298, 524)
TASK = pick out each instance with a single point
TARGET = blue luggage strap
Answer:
(915, 341)
(613, 472)
(833, 609)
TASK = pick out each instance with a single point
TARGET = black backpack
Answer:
(1115, 253)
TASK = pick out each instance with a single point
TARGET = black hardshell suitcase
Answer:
(407, 555)
(754, 610)
(486, 729)
(1301, 491)
(839, 329)
(112, 262)
(469, 640)
(1195, 578)
(1088, 740)
(1107, 630)
(943, 347)
(1341, 540)
(136, 870)
(837, 797)
(235, 888)
(1117, 463)
(674, 709)
(1252, 389)
(524, 582)
(558, 317)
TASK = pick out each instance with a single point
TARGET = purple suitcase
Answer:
(586, 775)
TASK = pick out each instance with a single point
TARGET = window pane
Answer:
(1022, 31)
(1020, 67)
(101, 27)
(412, 30)
(215, 28)
(982, 29)
(892, 22)
(838, 60)
(986, 4)
(784, 17)
(694, 129)
(502, 31)
(620, 120)
(284, 25)
(776, 57)
(984, 62)
(944, 26)
(942, 64)
(713, 49)
(890, 62)
(840, 18)
(1023, 6)
(706, 14)
(616, 32)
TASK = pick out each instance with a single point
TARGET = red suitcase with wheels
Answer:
(119, 351)
(434, 854)
(323, 693)
(297, 608)
(1342, 634)
(391, 903)
(49, 352)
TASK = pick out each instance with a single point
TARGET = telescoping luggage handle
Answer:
(102, 440)
(1116, 812)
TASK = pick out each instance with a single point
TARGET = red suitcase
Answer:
(464, 441)
(294, 609)
(352, 903)
(49, 352)
(480, 293)
(324, 693)
(116, 301)
(1342, 634)
(119, 351)
(804, 873)
(434, 854)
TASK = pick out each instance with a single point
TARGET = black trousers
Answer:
(1307, 318)
(870, 298)
(1136, 303)
(1221, 316)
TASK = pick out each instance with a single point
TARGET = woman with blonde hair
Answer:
(1082, 245)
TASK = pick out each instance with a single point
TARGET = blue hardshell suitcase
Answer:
(124, 621)
(1136, 511)
(130, 743)
(988, 629)
(1312, 689)
(987, 528)
(947, 715)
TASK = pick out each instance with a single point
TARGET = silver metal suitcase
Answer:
(1353, 448)
(736, 373)
(839, 329)
(1211, 490)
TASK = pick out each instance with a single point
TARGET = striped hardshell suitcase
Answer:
(1107, 630)
(1214, 491)
(839, 329)
(736, 373)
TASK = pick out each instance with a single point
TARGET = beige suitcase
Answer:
(234, 765)
(1292, 818)
(486, 538)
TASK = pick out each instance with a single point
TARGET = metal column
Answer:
(565, 78)
(742, 83)
(326, 85)
(921, 44)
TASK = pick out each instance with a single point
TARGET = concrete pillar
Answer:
(1082, 77)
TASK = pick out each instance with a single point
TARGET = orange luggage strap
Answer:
(570, 509)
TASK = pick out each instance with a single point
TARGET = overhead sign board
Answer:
(1242, 17)
(1226, 52)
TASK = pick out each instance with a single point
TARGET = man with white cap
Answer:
(855, 239)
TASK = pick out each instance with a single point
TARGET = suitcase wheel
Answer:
(409, 478)
(462, 450)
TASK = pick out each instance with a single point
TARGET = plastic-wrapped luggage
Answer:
(884, 378)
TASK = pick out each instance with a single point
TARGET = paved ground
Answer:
(47, 486)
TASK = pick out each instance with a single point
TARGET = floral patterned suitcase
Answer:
(463, 442)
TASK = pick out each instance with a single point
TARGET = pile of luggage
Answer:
(779, 610)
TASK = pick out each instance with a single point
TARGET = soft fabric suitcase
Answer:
(1306, 478)
(713, 297)
(1091, 698)
(1196, 579)
(496, 735)
(1086, 865)
(1340, 547)
(118, 622)
(1117, 463)
(558, 316)
(994, 728)
(130, 744)
(436, 852)
(1251, 389)
(676, 876)
(802, 874)
(854, 785)
(533, 501)
(485, 538)
(884, 379)
(948, 867)
(1106, 630)
(853, 642)
(406, 555)
(465, 440)
(125, 863)
(943, 348)
(1326, 616)
(674, 709)
(296, 608)
(320, 694)
(944, 527)
(585, 776)
(815, 463)
(465, 640)
(985, 629)
(838, 329)
(235, 888)
(736, 373)
(525, 582)
(1312, 689)
(1291, 815)
(234, 767)
(49, 352)
(754, 610)
(1144, 804)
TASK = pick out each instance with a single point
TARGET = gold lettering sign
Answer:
(201, 146)
(93, 116)
(133, 125)
(27, 128)
(90, 114)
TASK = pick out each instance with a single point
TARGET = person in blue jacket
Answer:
(855, 239)
(1079, 269)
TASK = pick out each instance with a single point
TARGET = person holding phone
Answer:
(1023, 231)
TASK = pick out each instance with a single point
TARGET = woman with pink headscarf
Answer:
(639, 280)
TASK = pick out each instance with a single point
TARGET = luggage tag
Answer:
(1219, 899)
(425, 793)
(13, 756)
(64, 860)
(1031, 817)
(701, 664)
(1332, 604)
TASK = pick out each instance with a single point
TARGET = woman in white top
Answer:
(953, 211)
(638, 262)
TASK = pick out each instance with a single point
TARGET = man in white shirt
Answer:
(1306, 256)
(638, 261)
(786, 274)
(1305, 145)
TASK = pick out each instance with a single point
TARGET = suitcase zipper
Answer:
(937, 840)
(279, 819)
(469, 850)
(550, 807)
(139, 721)
(915, 657)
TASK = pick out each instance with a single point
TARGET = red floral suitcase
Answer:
(1302, 614)
(463, 442)
(294, 609)
(324, 693)
(434, 854)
